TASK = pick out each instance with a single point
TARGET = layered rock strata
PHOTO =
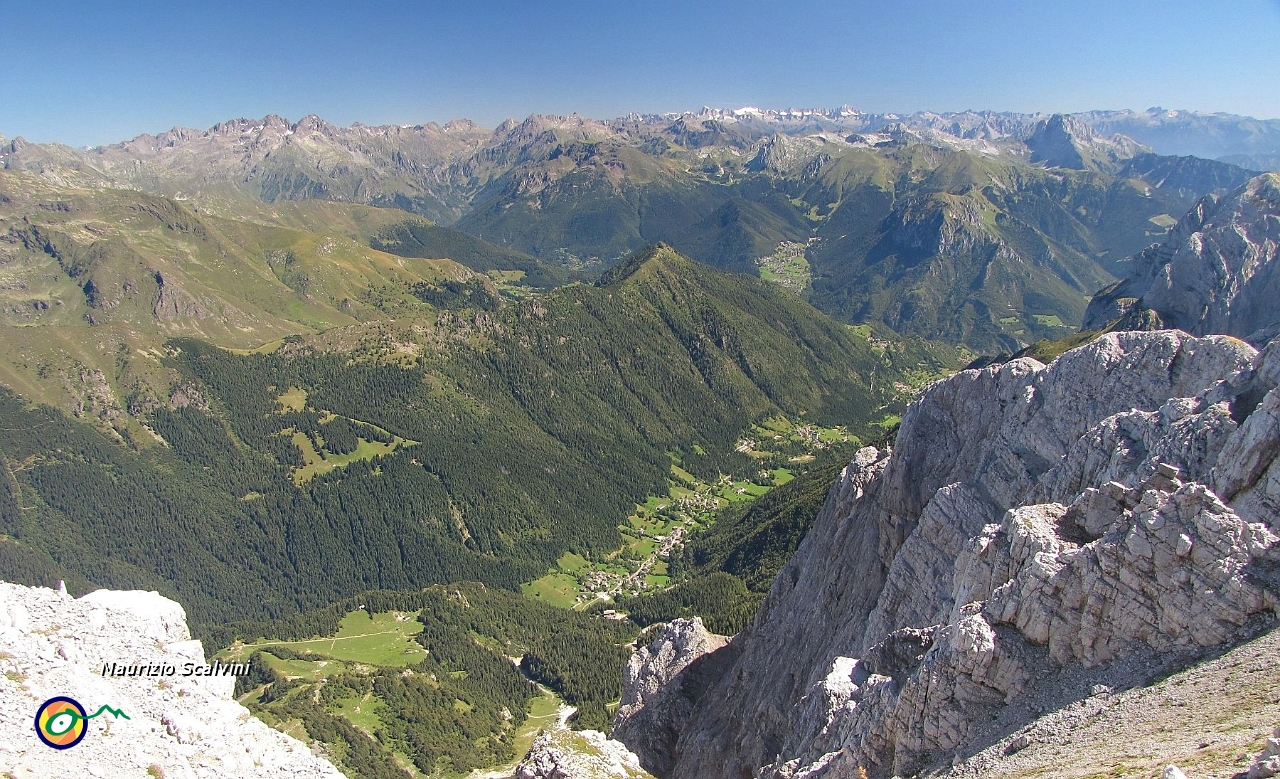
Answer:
(170, 724)
(1037, 530)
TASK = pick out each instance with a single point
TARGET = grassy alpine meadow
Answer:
(385, 639)
(558, 589)
(399, 686)
(318, 463)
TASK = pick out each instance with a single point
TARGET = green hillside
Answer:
(463, 444)
(92, 283)
(976, 248)
(425, 678)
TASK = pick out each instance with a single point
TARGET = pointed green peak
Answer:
(645, 262)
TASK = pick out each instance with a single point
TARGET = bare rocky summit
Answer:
(1038, 534)
(177, 726)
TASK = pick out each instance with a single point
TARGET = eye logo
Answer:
(61, 722)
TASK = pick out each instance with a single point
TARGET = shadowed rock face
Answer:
(663, 683)
(1033, 525)
(1215, 273)
(176, 725)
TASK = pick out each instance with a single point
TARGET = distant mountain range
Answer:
(987, 228)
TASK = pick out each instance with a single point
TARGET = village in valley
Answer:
(660, 526)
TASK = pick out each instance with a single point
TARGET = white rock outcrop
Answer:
(1267, 763)
(1037, 531)
(585, 754)
(661, 686)
(177, 727)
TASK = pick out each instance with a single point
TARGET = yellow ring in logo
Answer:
(61, 722)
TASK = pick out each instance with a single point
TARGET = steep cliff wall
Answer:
(169, 724)
(1216, 272)
(1036, 531)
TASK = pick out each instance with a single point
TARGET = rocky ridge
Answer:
(1067, 142)
(588, 754)
(980, 228)
(177, 727)
(441, 171)
(1036, 531)
(661, 689)
(1211, 274)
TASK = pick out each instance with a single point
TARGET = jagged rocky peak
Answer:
(458, 126)
(662, 683)
(587, 754)
(174, 719)
(1216, 272)
(1036, 534)
(1063, 141)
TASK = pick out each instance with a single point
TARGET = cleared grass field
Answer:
(683, 475)
(889, 421)
(572, 563)
(642, 547)
(558, 589)
(362, 712)
(293, 399)
(384, 639)
(656, 526)
(304, 669)
(318, 466)
(744, 490)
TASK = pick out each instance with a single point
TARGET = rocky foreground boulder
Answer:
(1039, 535)
(169, 724)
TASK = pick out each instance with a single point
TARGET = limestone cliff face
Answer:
(663, 683)
(177, 726)
(1216, 272)
(1067, 142)
(1036, 530)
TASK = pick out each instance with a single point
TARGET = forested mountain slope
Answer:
(464, 444)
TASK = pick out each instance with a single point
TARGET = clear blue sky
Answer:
(90, 73)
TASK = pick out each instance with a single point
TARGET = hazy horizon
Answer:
(494, 125)
(98, 73)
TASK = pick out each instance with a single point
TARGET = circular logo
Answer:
(60, 722)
